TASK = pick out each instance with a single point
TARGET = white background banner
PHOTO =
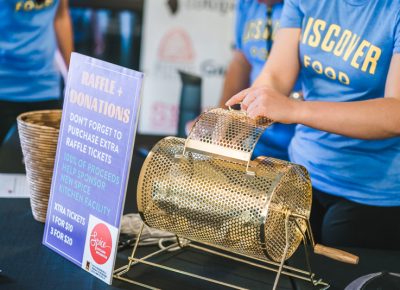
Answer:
(197, 38)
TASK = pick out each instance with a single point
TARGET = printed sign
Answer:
(194, 36)
(92, 163)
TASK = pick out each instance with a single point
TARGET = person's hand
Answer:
(266, 102)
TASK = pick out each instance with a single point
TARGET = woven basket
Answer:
(38, 133)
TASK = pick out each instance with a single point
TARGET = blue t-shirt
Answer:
(27, 47)
(253, 41)
(345, 51)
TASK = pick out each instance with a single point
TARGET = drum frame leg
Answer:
(279, 268)
(287, 216)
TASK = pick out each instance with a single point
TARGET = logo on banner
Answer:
(173, 6)
(164, 115)
(175, 52)
(100, 243)
(176, 46)
(213, 68)
(220, 6)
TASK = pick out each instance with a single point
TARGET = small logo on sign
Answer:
(87, 267)
(100, 243)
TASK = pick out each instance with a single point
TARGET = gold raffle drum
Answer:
(209, 191)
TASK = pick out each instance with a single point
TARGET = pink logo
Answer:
(176, 46)
(165, 116)
(100, 243)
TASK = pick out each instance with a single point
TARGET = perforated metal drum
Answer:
(206, 189)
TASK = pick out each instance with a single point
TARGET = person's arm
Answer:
(63, 29)
(237, 77)
(372, 119)
(283, 66)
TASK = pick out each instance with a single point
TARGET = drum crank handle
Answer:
(336, 254)
(329, 252)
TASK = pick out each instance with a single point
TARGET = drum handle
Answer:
(329, 252)
(336, 254)
(192, 144)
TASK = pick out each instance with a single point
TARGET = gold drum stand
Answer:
(207, 190)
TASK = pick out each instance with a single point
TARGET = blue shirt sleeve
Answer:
(239, 25)
(292, 17)
(396, 47)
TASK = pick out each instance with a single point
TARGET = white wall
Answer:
(197, 39)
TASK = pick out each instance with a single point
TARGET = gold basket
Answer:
(38, 133)
(207, 190)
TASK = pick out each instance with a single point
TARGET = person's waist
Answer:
(28, 69)
(15, 75)
(349, 175)
(340, 144)
(35, 61)
(349, 164)
(22, 87)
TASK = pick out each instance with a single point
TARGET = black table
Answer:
(27, 264)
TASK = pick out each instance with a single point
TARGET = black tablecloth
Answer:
(27, 264)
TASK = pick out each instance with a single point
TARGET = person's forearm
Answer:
(282, 68)
(236, 78)
(63, 29)
(269, 79)
(372, 119)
